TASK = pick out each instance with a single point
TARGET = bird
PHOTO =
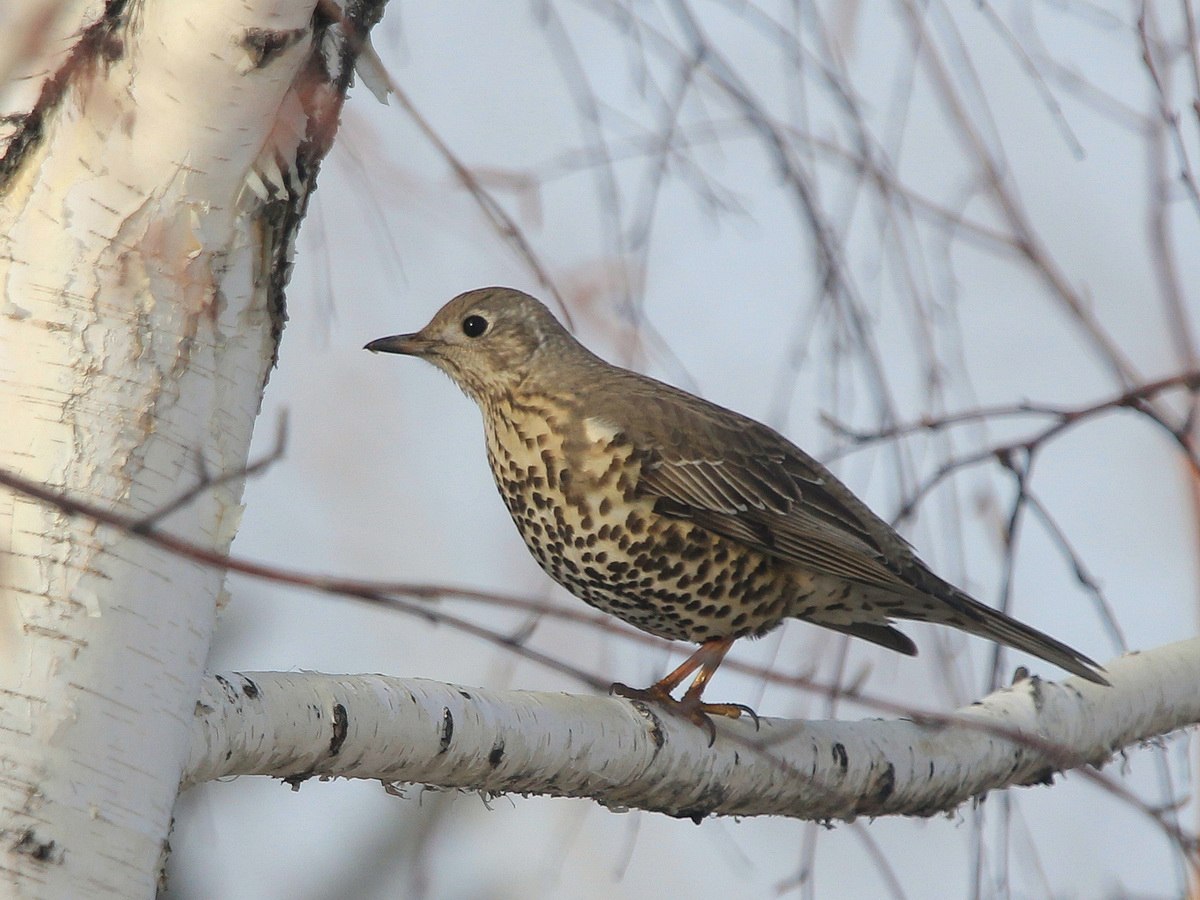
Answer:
(683, 518)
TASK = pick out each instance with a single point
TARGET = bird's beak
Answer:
(408, 344)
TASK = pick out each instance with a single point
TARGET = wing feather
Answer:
(779, 502)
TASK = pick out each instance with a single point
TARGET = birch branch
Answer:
(628, 755)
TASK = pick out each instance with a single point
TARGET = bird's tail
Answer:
(970, 615)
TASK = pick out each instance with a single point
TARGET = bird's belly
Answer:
(592, 533)
(666, 576)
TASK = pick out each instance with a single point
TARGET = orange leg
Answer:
(707, 658)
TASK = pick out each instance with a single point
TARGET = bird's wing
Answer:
(745, 482)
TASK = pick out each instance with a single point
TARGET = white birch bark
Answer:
(148, 196)
(627, 755)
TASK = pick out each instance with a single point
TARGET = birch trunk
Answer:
(150, 188)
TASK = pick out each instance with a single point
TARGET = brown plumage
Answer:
(683, 518)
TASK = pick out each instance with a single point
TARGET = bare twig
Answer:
(1065, 417)
(207, 482)
(1152, 59)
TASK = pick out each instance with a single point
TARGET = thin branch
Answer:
(1065, 417)
(207, 482)
(1150, 58)
(1081, 572)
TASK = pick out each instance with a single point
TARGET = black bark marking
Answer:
(841, 757)
(497, 753)
(341, 726)
(656, 729)
(1036, 693)
(265, 45)
(249, 688)
(447, 730)
(231, 693)
(29, 844)
(884, 785)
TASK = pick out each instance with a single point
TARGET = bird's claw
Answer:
(690, 708)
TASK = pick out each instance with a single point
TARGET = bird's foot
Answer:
(690, 707)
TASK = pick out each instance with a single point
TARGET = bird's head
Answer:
(485, 340)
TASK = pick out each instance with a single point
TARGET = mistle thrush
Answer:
(683, 518)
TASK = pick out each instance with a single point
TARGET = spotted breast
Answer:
(571, 483)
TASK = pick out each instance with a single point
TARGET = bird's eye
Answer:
(474, 326)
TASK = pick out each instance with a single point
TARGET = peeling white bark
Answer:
(628, 755)
(140, 262)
